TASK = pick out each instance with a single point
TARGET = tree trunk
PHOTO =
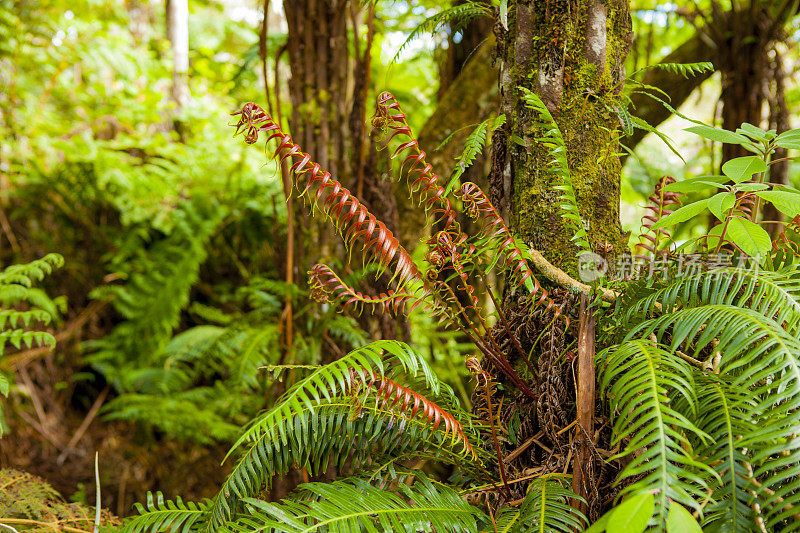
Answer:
(177, 22)
(572, 55)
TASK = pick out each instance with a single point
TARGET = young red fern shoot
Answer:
(351, 218)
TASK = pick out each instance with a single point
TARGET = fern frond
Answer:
(425, 187)
(661, 204)
(686, 70)
(546, 508)
(775, 295)
(554, 142)
(726, 414)
(455, 17)
(389, 393)
(350, 425)
(759, 356)
(25, 274)
(159, 515)
(327, 286)
(350, 217)
(16, 287)
(640, 378)
(474, 144)
(355, 505)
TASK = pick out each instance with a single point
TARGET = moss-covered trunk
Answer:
(571, 53)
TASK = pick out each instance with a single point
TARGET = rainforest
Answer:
(399, 266)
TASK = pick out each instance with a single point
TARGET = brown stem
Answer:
(487, 395)
(582, 467)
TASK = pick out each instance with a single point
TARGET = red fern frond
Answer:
(411, 403)
(499, 239)
(494, 230)
(661, 204)
(388, 115)
(327, 286)
(351, 218)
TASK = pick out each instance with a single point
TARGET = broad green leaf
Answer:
(723, 136)
(749, 187)
(683, 214)
(789, 144)
(720, 203)
(3, 385)
(750, 237)
(700, 183)
(632, 515)
(789, 140)
(600, 525)
(713, 236)
(786, 202)
(679, 520)
(742, 168)
(755, 132)
(504, 13)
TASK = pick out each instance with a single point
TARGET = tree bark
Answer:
(177, 22)
(573, 57)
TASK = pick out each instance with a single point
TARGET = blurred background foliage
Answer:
(174, 234)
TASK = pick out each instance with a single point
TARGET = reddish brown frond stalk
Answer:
(495, 232)
(351, 218)
(661, 203)
(422, 181)
(406, 402)
(484, 390)
(327, 286)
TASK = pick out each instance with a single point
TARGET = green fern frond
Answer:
(314, 407)
(759, 356)
(775, 295)
(640, 379)
(26, 274)
(341, 430)
(546, 509)
(473, 145)
(355, 505)
(554, 142)
(686, 70)
(455, 17)
(166, 515)
(16, 288)
(726, 414)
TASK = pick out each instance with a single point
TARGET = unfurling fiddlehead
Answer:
(351, 218)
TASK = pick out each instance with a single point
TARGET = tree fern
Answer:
(355, 505)
(552, 140)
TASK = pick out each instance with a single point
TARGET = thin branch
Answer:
(561, 278)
